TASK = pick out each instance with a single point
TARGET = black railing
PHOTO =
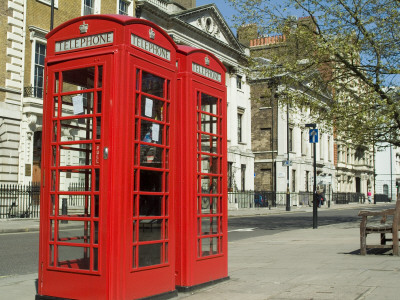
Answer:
(381, 198)
(19, 201)
(33, 91)
(346, 198)
(250, 199)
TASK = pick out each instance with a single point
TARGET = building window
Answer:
(386, 189)
(239, 127)
(329, 149)
(88, 7)
(307, 183)
(293, 180)
(230, 176)
(321, 147)
(123, 7)
(239, 82)
(38, 77)
(243, 176)
(290, 139)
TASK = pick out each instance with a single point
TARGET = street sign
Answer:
(313, 135)
(287, 163)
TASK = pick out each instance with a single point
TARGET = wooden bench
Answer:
(383, 228)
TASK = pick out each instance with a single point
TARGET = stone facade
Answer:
(28, 21)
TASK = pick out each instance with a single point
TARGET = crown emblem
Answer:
(152, 34)
(83, 28)
(207, 61)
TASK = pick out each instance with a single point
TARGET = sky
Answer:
(224, 7)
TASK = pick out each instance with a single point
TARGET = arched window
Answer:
(386, 189)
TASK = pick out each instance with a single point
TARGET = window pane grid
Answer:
(151, 172)
(75, 200)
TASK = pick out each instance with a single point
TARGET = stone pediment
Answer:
(209, 19)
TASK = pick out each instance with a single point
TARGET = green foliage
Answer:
(347, 52)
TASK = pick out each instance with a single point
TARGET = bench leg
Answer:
(363, 242)
(396, 243)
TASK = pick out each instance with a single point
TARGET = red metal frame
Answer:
(201, 202)
(105, 263)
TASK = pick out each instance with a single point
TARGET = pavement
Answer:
(323, 263)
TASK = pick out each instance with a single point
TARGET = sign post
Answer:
(313, 137)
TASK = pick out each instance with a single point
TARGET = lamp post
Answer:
(314, 142)
(288, 162)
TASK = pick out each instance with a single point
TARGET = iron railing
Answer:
(19, 201)
(249, 199)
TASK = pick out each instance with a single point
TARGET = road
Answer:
(19, 251)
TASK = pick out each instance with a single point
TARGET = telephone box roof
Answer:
(121, 19)
(189, 50)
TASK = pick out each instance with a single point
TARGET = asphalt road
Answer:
(19, 251)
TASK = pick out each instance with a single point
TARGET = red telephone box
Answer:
(201, 199)
(107, 202)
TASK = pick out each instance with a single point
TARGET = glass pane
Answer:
(54, 134)
(74, 232)
(51, 256)
(209, 246)
(100, 77)
(150, 230)
(150, 181)
(78, 79)
(209, 225)
(209, 104)
(95, 259)
(209, 164)
(152, 84)
(55, 107)
(54, 156)
(52, 204)
(76, 129)
(56, 82)
(134, 253)
(208, 124)
(78, 180)
(152, 108)
(73, 257)
(209, 185)
(208, 143)
(149, 255)
(151, 132)
(74, 205)
(151, 156)
(96, 205)
(96, 232)
(97, 180)
(99, 102)
(76, 155)
(98, 128)
(78, 104)
(150, 205)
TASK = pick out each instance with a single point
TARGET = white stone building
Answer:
(22, 63)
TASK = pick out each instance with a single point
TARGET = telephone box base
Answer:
(188, 289)
(163, 296)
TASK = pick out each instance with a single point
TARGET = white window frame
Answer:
(130, 6)
(96, 7)
(37, 35)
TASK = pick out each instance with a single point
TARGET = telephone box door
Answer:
(75, 185)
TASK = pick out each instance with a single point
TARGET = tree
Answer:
(346, 50)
